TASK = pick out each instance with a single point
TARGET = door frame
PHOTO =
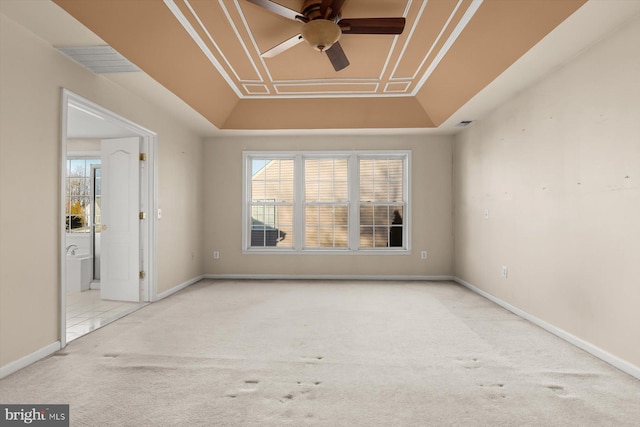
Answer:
(148, 198)
(92, 248)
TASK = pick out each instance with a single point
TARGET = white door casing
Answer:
(120, 235)
(148, 190)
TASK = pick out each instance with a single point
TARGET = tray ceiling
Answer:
(208, 52)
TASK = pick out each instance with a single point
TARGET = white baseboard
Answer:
(615, 361)
(27, 360)
(177, 288)
(323, 277)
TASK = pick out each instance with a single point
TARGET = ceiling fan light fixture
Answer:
(321, 33)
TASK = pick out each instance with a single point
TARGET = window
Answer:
(78, 194)
(315, 202)
(326, 203)
(271, 203)
(381, 202)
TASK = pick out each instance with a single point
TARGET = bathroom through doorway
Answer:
(108, 187)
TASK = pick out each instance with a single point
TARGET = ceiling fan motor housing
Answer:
(311, 9)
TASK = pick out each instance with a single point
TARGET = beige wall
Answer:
(431, 208)
(558, 168)
(31, 75)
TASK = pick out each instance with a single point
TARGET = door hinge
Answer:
(142, 274)
(143, 157)
(142, 215)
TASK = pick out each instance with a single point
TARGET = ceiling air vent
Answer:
(464, 123)
(99, 59)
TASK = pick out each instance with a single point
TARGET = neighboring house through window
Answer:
(326, 202)
(271, 203)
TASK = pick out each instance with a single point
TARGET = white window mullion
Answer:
(406, 230)
(353, 180)
(298, 202)
(246, 198)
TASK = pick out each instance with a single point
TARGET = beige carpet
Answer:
(296, 353)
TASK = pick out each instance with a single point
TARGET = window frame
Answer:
(88, 183)
(353, 201)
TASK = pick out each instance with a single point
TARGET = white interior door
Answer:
(120, 236)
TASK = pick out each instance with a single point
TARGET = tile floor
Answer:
(87, 312)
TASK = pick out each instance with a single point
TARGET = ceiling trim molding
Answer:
(409, 37)
(173, 7)
(265, 76)
(253, 40)
(395, 41)
(247, 87)
(435, 43)
(403, 90)
(374, 85)
(213, 42)
(235, 31)
(473, 8)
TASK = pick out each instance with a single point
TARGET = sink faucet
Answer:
(71, 249)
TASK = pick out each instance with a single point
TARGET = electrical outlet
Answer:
(216, 255)
(505, 272)
(423, 254)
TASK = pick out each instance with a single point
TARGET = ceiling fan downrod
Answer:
(312, 9)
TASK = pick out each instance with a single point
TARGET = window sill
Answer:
(385, 252)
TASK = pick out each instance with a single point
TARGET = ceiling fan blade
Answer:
(372, 25)
(279, 10)
(337, 57)
(278, 49)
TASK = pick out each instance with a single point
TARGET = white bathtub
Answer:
(79, 272)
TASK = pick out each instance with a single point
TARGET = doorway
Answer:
(101, 150)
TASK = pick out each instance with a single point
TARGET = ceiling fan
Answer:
(323, 25)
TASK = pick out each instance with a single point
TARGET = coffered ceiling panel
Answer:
(209, 53)
(235, 33)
